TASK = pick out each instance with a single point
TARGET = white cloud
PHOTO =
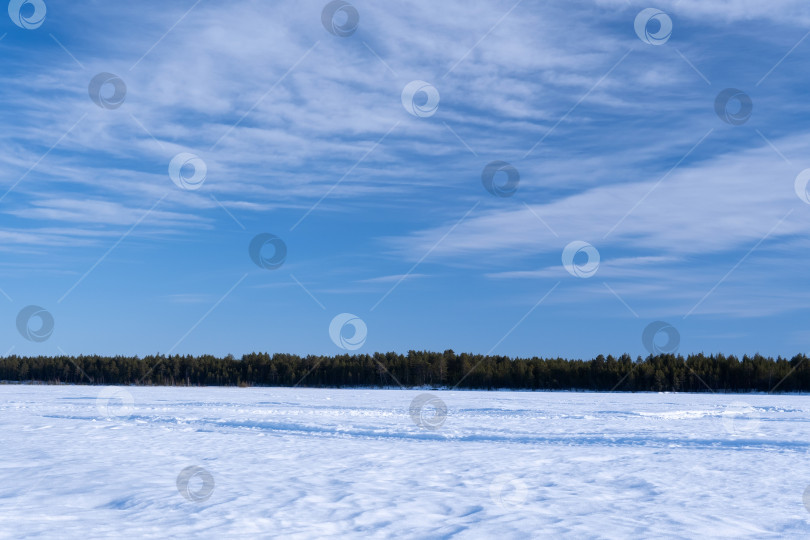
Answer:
(392, 279)
(718, 205)
(296, 141)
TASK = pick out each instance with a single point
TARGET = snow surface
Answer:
(89, 462)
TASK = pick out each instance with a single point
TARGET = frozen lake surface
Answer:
(90, 462)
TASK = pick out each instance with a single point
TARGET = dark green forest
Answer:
(694, 373)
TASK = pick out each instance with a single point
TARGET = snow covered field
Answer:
(89, 462)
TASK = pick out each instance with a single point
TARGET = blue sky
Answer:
(304, 136)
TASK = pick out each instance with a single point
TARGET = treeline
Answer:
(695, 373)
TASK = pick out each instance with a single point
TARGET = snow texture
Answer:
(90, 462)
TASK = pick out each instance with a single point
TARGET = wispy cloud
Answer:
(392, 279)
